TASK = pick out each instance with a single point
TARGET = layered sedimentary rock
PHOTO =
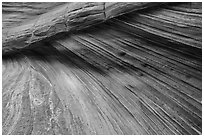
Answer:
(64, 18)
(137, 73)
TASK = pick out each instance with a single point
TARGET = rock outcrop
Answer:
(137, 73)
(64, 18)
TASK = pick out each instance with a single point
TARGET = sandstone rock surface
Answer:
(139, 73)
(64, 18)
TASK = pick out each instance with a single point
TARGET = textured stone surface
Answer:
(63, 18)
(139, 73)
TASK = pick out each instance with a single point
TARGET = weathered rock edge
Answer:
(69, 17)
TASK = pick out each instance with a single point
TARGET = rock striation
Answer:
(64, 18)
(139, 73)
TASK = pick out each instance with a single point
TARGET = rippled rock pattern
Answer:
(137, 73)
